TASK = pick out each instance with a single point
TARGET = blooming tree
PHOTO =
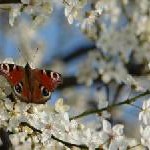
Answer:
(114, 73)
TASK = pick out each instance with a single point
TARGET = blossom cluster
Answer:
(32, 124)
(39, 10)
(106, 69)
(86, 13)
(122, 41)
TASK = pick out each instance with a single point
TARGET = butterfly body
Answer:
(30, 85)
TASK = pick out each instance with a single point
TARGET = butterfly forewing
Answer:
(16, 77)
(43, 84)
(12, 73)
(48, 78)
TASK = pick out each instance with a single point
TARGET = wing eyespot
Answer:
(45, 92)
(18, 88)
(54, 75)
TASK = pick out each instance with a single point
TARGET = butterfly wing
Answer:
(45, 82)
(12, 73)
(17, 78)
(30, 85)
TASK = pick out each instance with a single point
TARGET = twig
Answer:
(134, 146)
(70, 145)
(127, 102)
(136, 107)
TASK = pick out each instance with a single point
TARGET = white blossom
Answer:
(145, 134)
(60, 107)
(73, 9)
(144, 115)
(118, 140)
(39, 9)
(15, 12)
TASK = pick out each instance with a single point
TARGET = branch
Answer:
(9, 1)
(75, 54)
(5, 140)
(70, 145)
(68, 82)
(79, 52)
(127, 102)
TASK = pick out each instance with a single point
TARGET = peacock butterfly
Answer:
(30, 85)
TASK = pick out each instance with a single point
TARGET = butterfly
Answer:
(30, 85)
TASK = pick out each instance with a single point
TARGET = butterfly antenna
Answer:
(34, 56)
(20, 53)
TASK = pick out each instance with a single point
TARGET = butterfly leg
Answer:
(11, 97)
